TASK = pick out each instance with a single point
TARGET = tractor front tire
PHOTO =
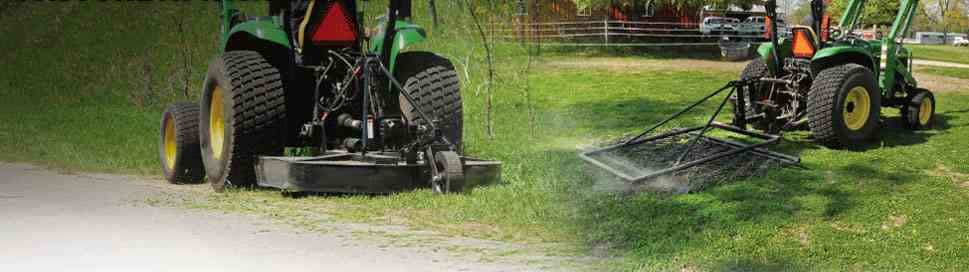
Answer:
(844, 105)
(243, 116)
(434, 84)
(178, 150)
(919, 114)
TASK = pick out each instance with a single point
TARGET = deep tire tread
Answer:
(258, 116)
(824, 113)
(436, 88)
(188, 162)
(910, 112)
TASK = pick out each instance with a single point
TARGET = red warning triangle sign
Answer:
(336, 26)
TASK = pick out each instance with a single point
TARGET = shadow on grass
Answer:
(638, 113)
(751, 264)
(8, 6)
(895, 133)
(654, 228)
(641, 113)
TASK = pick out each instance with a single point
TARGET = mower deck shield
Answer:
(376, 173)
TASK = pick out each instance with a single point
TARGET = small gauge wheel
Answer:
(919, 114)
(449, 176)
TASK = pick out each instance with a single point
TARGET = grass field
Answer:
(83, 92)
(71, 103)
(843, 212)
(945, 71)
(946, 53)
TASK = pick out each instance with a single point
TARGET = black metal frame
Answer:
(697, 133)
(339, 171)
(368, 63)
(371, 168)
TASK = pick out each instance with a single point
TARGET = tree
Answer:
(433, 11)
(953, 14)
(875, 12)
(930, 18)
(958, 16)
(802, 10)
(487, 41)
(943, 9)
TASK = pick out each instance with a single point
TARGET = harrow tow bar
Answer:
(707, 126)
(729, 85)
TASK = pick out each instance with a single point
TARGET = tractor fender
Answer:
(406, 34)
(243, 35)
(836, 55)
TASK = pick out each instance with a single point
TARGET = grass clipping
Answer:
(648, 157)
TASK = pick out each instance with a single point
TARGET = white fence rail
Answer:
(617, 33)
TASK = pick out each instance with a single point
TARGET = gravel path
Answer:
(97, 222)
(940, 63)
(936, 83)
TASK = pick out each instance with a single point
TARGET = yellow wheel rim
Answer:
(216, 123)
(925, 111)
(170, 144)
(857, 107)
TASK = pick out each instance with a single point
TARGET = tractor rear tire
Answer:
(755, 69)
(919, 114)
(434, 84)
(243, 116)
(178, 149)
(844, 106)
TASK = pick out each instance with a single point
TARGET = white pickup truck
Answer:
(756, 26)
(960, 41)
(719, 26)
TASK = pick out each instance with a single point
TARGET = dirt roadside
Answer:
(936, 83)
(99, 222)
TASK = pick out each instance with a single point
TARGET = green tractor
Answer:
(309, 77)
(832, 80)
(829, 80)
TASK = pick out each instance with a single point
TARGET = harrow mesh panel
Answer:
(643, 158)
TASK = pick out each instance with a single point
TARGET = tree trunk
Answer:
(486, 42)
(433, 7)
(943, 9)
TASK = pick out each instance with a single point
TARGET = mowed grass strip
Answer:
(946, 53)
(962, 73)
(84, 83)
(843, 211)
